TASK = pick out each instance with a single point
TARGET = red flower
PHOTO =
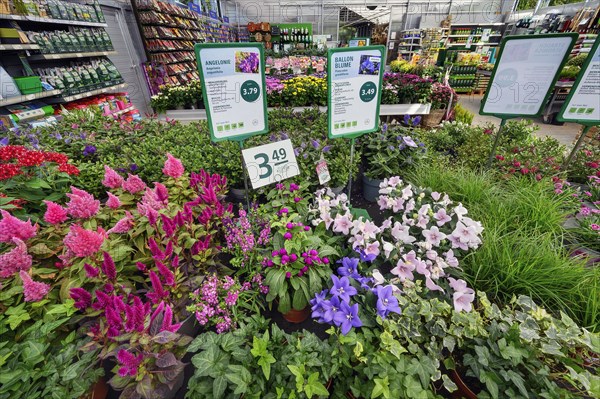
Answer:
(31, 158)
(11, 151)
(499, 157)
(593, 165)
(56, 157)
(8, 171)
(69, 169)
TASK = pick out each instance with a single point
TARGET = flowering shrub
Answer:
(423, 234)
(540, 159)
(304, 91)
(585, 163)
(244, 235)
(401, 88)
(220, 302)
(27, 177)
(443, 96)
(298, 262)
(391, 151)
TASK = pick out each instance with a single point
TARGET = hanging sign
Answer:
(213, 14)
(270, 163)
(233, 87)
(194, 7)
(469, 41)
(485, 35)
(583, 103)
(354, 79)
(226, 20)
(525, 74)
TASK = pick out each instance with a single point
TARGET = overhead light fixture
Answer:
(371, 8)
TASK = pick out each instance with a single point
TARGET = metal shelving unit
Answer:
(62, 56)
(28, 97)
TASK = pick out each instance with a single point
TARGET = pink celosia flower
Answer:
(130, 363)
(173, 167)
(157, 288)
(108, 267)
(167, 274)
(123, 225)
(33, 290)
(111, 178)
(134, 184)
(15, 260)
(55, 214)
(11, 227)
(113, 201)
(162, 194)
(136, 316)
(90, 271)
(82, 204)
(81, 242)
(82, 298)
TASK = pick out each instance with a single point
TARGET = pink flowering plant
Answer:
(245, 236)
(296, 263)
(423, 236)
(220, 302)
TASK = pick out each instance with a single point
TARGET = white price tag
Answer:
(323, 172)
(270, 163)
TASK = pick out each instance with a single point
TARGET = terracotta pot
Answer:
(99, 390)
(463, 390)
(297, 316)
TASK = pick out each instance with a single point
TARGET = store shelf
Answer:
(478, 35)
(28, 18)
(12, 47)
(473, 44)
(79, 96)
(70, 55)
(28, 97)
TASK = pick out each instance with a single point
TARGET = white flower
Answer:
(434, 236)
(460, 211)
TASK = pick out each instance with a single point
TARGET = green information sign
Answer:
(583, 103)
(354, 77)
(233, 88)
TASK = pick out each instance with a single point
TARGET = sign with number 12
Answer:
(270, 163)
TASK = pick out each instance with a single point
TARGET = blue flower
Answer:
(416, 121)
(347, 317)
(349, 268)
(384, 127)
(316, 144)
(386, 301)
(330, 308)
(364, 257)
(4, 141)
(342, 288)
(89, 150)
(391, 147)
(133, 167)
(327, 148)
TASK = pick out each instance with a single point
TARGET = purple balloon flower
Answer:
(386, 301)
(348, 268)
(347, 317)
(342, 288)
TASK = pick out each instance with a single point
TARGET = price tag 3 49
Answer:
(270, 163)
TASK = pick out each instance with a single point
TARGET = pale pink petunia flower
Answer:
(33, 290)
(451, 259)
(431, 286)
(404, 268)
(82, 204)
(123, 225)
(372, 248)
(15, 260)
(173, 167)
(82, 243)
(435, 195)
(113, 201)
(460, 211)
(11, 227)
(401, 233)
(466, 234)
(111, 178)
(395, 181)
(55, 214)
(387, 248)
(463, 301)
(134, 184)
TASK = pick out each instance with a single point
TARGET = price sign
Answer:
(583, 103)
(525, 73)
(270, 163)
(233, 87)
(354, 77)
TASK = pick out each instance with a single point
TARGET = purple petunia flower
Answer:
(348, 268)
(342, 288)
(386, 301)
(89, 150)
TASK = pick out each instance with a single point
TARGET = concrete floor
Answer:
(564, 134)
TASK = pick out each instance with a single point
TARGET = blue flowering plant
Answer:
(353, 298)
(391, 151)
(297, 263)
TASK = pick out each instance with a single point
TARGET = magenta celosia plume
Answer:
(113, 201)
(112, 179)
(15, 260)
(108, 267)
(129, 363)
(90, 271)
(162, 194)
(123, 225)
(82, 204)
(11, 227)
(81, 242)
(55, 214)
(82, 298)
(33, 290)
(134, 184)
(173, 167)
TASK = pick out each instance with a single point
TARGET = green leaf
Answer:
(382, 387)
(37, 183)
(219, 386)
(449, 384)
(299, 301)
(314, 387)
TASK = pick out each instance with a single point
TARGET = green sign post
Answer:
(234, 91)
(583, 103)
(354, 80)
(524, 76)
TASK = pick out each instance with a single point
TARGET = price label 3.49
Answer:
(270, 163)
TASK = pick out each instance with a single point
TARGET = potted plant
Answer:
(296, 266)
(443, 99)
(391, 151)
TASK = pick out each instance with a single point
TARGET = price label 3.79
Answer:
(270, 163)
